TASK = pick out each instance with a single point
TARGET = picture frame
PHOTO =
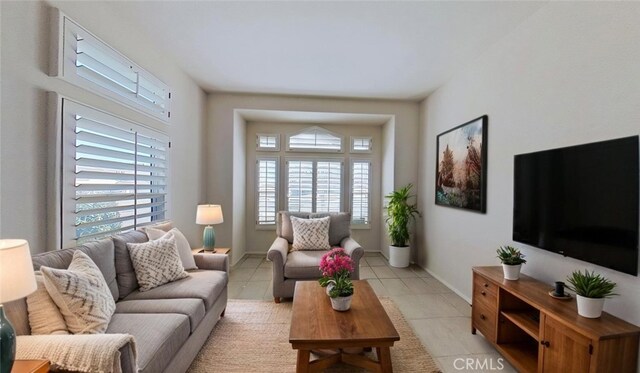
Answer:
(461, 166)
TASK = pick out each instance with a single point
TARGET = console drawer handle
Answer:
(486, 285)
(544, 343)
(482, 317)
(483, 292)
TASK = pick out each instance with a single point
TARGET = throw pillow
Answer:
(82, 295)
(310, 234)
(44, 315)
(156, 262)
(184, 249)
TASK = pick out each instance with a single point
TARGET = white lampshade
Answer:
(209, 214)
(17, 279)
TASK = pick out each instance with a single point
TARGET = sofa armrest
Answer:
(219, 262)
(352, 247)
(278, 252)
(81, 352)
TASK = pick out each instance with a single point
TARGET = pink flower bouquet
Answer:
(336, 267)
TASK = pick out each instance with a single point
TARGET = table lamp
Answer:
(208, 215)
(16, 281)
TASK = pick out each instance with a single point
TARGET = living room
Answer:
(547, 75)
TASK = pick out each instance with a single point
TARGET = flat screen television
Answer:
(581, 201)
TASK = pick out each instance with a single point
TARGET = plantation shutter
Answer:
(268, 142)
(315, 139)
(91, 63)
(328, 186)
(267, 190)
(360, 189)
(115, 176)
(300, 186)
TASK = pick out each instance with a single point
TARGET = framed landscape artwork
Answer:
(461, 168)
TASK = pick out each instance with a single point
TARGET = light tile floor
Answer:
(438, 316)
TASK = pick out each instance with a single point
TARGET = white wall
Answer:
(24, 66)
(259, 240)
(220, 143)
(567, 75)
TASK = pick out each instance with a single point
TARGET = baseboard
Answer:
(445, 283)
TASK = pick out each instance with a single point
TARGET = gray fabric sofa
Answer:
(170, 323)
(289, 267)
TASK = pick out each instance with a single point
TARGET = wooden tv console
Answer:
(537, 333)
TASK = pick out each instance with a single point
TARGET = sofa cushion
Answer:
(81, 294)
(125, 274)
(101, 253)
(205, 285)
(156, 262)
(340, 226)
(284, 228)
(310, 234)
(190, 307)
(158, 337)
(303, 264)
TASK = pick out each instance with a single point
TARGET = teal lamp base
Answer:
(7, 343)
(209, 238)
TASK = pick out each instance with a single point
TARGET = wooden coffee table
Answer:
(315, 325)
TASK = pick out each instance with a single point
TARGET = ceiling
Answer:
(386, 50)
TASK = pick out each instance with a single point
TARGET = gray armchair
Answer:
(289, 267)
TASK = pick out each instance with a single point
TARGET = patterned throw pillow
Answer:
(44, 315)
(156, 262)
(310, 234)
(82, 295)
(184, 250)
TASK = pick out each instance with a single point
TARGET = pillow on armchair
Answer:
(310, 234)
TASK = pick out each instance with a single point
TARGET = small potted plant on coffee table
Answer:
(336, 267)
(591, 290)
(512, 260)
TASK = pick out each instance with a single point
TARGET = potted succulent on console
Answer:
(512, 260)
(399, 214)
(591, 290)
(336, 267)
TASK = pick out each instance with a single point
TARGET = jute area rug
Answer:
(253, 336)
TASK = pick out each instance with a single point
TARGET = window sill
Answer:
(266, 227)
(361, 227)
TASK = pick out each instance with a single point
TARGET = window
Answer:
(314, 139)
(314, 185)
(361, 144)
(360, 192)
(268, 142)
(90, 63)
(114, 174)
(267, 190)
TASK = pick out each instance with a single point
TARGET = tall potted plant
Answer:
(512, 260)
(400, 212)
(591, 290)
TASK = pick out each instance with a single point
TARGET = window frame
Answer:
(69, 110)
(263, 149)
(314, 160)
(63, 66)
(312, 150)
(352, 148)
(352, 161)
(259, 226)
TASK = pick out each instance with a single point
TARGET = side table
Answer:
(30, 366)
(217, 250)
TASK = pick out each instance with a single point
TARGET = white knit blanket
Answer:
(76, 352)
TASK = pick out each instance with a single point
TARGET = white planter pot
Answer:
(399, 256)
(590, 307)
(341, 303)
(511, 272)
